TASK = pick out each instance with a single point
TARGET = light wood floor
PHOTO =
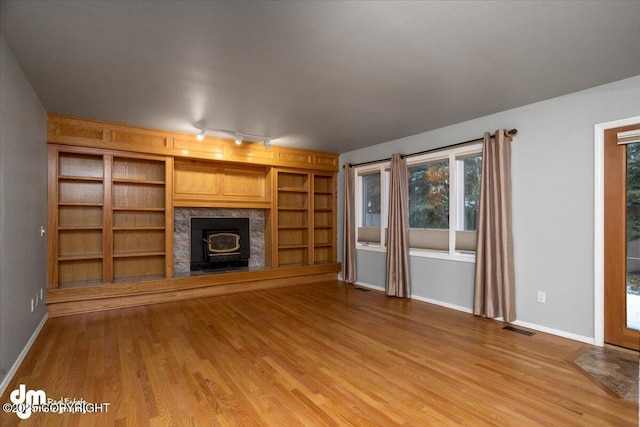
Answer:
(324, 354)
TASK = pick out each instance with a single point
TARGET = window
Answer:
(429, 195)
(371, 200)
(444, 197)
(472, 168)
(371, 204)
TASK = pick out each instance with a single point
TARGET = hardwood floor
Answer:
(321, 354)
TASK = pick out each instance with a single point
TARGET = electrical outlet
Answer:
(32, 305)
(41, 294)
(542, 297)
(36, 300)
(42, 231)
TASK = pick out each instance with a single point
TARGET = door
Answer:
(622, 240)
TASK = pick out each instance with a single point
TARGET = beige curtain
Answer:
(349, 235)
(398, 284)
(494, 294)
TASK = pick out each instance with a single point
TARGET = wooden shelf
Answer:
(138, 209)
(80, 204)
(79, 228)
(292, 190)
(79, 178)
(292, 209)
(137, 254)
(292, 246)
(79, 257)
(134, 228)
(292, 227)
(137, 182)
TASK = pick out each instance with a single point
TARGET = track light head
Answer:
(238, 137)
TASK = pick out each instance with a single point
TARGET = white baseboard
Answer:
(539, 328)
(366, 285)
(22, 355)
(563, 334)
(442, 304)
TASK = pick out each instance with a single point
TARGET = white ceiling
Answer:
(329, 76)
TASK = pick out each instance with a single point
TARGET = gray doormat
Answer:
(615, 369)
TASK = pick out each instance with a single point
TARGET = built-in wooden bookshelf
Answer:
(79, 210)
(305, 218)
(109, 217)
(324, 218)
(139, 218)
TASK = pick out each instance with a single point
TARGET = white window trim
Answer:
(456, 198)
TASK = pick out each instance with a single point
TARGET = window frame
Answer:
(455, 156)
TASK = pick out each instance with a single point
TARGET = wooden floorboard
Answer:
(310, 355)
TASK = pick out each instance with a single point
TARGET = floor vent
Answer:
(519, 331)
(362, 289)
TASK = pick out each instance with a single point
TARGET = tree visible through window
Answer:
(429, 195)
(371, 200)
(472, 172)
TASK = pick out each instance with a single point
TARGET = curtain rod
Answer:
(510, 134)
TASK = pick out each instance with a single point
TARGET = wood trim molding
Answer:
(61, 302)
(97, 134)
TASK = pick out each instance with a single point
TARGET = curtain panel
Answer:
(494, 290)
(349, 226)
(398, 282)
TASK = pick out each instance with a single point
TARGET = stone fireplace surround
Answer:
(182, 233)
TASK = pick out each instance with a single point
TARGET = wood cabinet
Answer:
(220, 184)
(110, 217)
(304, 218)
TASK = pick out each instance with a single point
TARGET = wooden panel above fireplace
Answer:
(200, 183)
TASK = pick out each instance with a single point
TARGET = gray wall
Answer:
(553, 205)
(23, 209)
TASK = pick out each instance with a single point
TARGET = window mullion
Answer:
(453, 202)
(384, 205)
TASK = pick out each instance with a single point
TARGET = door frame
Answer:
(598, 215)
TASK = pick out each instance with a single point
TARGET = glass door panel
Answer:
(633, 236)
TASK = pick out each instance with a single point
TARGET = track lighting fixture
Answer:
(238, 137)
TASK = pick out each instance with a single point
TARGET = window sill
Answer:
(423, 253)
(371, 248)
(457, 256)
